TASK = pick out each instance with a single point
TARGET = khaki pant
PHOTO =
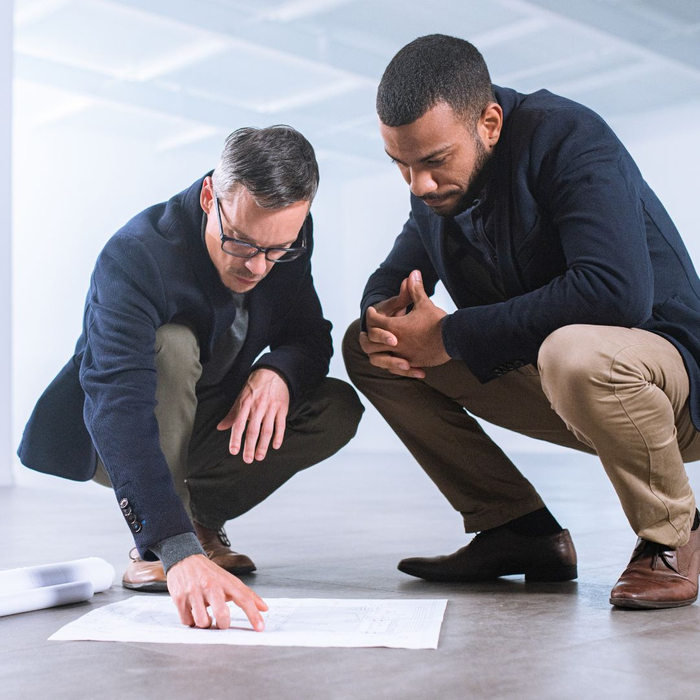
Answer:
(619, 393)
(214, 485)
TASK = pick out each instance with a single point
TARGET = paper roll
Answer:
(93, 569)
(45, 597)
(48, 585)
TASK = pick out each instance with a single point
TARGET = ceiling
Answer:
(178, 73)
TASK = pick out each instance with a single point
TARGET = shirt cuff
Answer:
(173, 549)
(450, 346)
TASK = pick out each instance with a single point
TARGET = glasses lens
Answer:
(239, 249)
(284, 254)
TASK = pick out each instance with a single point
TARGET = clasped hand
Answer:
(403, 341)
(260, 411)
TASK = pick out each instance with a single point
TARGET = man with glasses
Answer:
(168, 398)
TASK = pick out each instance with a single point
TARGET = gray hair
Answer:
(277, 165)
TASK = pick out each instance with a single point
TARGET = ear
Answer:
(490, 124)
(206, 196)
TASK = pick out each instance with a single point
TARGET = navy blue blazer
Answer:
(156, 270)
(578, 238)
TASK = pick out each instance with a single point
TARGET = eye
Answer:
(436, 162)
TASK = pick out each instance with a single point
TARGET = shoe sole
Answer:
(636, 604)
(239, 571)
(558, 575)
(151, 587)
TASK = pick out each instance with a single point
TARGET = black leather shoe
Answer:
(499, 552)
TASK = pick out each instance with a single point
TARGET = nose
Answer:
(256, 265)
(421, 182)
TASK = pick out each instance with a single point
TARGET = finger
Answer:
(184, 611)
(227, 422)
(220, 610)
(379, 335)
(251, 436)
(249, 606)
(388, 361)
(416, 288)
(199, 612)
(404, 298)
(266, 430)
(237, 429)
(280, 427)
(370, 348)
(239, 586)
(374, 318)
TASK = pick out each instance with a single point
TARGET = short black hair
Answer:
(277, 165)
(431, 69)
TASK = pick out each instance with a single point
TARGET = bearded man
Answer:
(577, 322)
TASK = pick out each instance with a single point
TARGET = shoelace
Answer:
(657, 551)
(223, 538)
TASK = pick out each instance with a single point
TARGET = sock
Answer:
(536, 524)
(696, 522)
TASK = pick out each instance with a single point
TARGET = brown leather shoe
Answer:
(659, 577)
(146, 576)
(218, 548)
(499, 552)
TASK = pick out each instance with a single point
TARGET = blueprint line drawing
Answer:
(308, 622)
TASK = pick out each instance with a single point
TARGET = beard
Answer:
(476, 181)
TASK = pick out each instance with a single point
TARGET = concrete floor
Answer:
(338, 530)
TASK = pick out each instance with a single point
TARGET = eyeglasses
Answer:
(240, 249)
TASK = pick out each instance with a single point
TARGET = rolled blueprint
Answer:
(45, 597)
(39, 587)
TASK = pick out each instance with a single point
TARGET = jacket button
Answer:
(517, 363)
(137, 527)
(498, 371)
(124, 503)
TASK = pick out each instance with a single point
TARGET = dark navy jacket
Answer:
(577, 237)
(154, 271)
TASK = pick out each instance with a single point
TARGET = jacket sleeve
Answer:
(407, 254)
(587, 189)
(300, 339)
(126, 305)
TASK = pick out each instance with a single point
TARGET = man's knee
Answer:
(570, 356)
(177, 351)
(353, 355)
(344, 409)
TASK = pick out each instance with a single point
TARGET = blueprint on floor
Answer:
(307, 622)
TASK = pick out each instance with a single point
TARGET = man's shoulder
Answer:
(542, 111)
(543, 127)
(163, 231)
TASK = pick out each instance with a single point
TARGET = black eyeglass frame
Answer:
(255, 250)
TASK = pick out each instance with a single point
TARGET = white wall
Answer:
(5, 239)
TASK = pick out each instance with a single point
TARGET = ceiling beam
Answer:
(611, 22)
(198, 109)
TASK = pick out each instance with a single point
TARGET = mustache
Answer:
(438, 197)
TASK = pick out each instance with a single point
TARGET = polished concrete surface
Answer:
(338, 531)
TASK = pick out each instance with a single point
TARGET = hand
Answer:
(195, 583)
(263, 404)
(418, 334)
(379, 343)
